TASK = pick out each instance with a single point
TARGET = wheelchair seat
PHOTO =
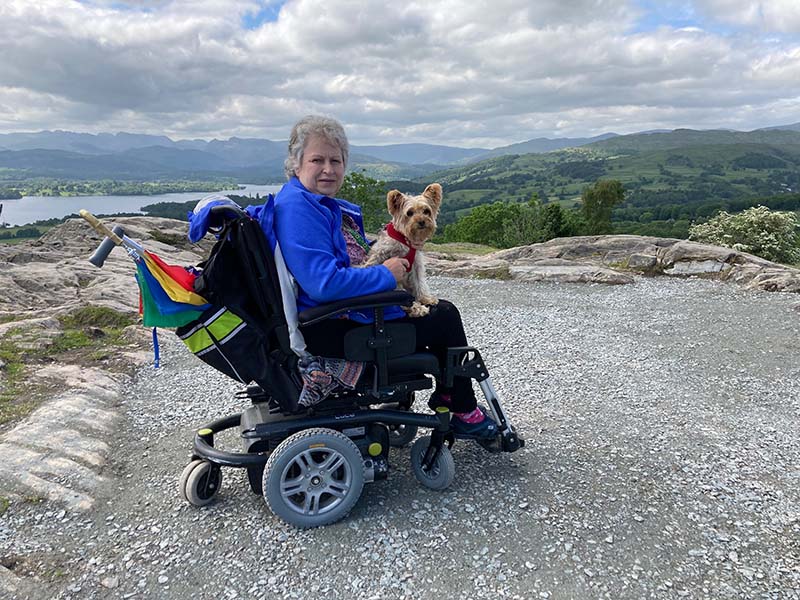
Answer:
(419, 362)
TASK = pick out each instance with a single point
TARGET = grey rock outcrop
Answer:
(52, 275)
(615, 259)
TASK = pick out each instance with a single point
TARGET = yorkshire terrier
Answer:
(413, 223)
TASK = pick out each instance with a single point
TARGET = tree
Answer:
(483, 225)
(597, 203)
(553, 222)
(370, 195)
(521, 224)
(504, 225)
(757, 230)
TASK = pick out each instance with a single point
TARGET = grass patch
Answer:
(101, 354)
(96, 316)
(71, 339)
(171, 239)
(94, 328)
(10, 318)
(88, 337)
(4, 503)
(12, 406)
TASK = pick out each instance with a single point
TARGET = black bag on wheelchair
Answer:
(244, 334)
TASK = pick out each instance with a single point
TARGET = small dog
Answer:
(413, 223)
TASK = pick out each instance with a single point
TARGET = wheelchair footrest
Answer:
(504, 442)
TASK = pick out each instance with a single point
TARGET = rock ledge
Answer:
(616, 259)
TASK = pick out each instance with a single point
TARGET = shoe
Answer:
(486, 428)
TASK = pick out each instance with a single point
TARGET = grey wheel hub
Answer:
(316, 481)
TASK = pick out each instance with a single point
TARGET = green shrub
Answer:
(757, 230)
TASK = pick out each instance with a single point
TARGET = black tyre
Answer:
(255, 477)
(200, 482)
(441, 473)
(314, 478)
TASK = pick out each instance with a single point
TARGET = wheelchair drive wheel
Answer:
(199, 482)
(314, 477)
(441, 473)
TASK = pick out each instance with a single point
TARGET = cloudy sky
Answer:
(471, 73)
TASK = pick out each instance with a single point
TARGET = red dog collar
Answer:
(396, 235)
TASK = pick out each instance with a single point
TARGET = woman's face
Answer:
(322, 168)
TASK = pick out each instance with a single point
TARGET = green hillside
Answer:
(682, 138)
(654, 171)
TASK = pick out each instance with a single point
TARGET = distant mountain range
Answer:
(127, 156)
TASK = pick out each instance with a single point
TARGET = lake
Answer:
(29, 209)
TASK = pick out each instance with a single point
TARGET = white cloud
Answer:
(447, 71)
(781, 16)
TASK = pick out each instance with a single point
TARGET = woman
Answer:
(322, 239)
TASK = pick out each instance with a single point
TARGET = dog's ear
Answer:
(434, 193)
(394, 201)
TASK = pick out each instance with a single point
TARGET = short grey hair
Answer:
(309, 126)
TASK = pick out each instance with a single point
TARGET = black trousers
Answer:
(436, 331)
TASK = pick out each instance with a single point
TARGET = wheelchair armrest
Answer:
(379, 300)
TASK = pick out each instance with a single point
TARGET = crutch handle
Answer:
(99, 227)
(111, 238)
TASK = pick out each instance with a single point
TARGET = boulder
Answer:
(568, 273)
(616, 259)
(477, 267)
(31, 334)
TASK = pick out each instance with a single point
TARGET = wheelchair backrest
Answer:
(246, 334)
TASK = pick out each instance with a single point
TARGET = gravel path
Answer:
(662, 461)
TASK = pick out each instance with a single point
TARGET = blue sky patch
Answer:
(675, 14)
(266, 14)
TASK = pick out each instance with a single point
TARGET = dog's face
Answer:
(415, 216)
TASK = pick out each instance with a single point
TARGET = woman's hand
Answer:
(398, 267)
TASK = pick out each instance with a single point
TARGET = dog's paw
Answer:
(416, 310)
(428, 300)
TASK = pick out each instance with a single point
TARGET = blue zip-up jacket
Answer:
(308, 227)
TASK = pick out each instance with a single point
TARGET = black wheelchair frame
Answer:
(310, 463)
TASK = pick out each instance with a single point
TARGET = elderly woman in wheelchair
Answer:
(306, 323)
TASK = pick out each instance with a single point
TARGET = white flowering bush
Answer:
(757, 230)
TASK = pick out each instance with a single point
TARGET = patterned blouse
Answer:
(357, 246)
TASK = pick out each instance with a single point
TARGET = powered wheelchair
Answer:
(311, 463)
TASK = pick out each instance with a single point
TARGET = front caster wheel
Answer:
(441, 473)
(314, 477)
(200, 482)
